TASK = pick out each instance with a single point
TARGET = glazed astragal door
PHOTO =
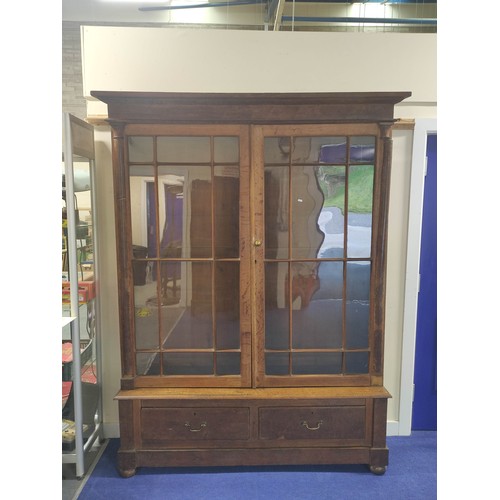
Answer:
(189, 225)
(313, 253)
(252, 254)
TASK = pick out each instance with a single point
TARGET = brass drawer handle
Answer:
(306, 425)
(188, 425)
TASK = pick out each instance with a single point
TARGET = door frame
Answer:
(423, 128)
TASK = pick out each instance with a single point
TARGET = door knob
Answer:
(257, 243)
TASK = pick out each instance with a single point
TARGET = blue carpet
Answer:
(411, 475)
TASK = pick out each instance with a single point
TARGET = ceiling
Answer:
(407, 16)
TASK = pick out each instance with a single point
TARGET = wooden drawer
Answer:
(323, 422)
(195, 424)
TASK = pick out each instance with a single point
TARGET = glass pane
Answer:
(170, 317)
(194, 327)
(227, 304)
(277, 363)
(171, 209)
(276, 212)
(317, 305)
(170, 283)
(198, 209)
(359, 220)
(276, 306)
(147, 326)
(143, 208)
(79, 217)
(226, 149)
(306, 206)
(140, 149)
(331, 180)
(305, 283)
(147, 363)
(316, 363)
(283, 150)
(227, 205)
(228, 363)
(276, 150)
(184, 149)
(333, 150)
(185, 209)
(357, 304)
(318, 150)
(188, 363)
(362, 149)
(356, 362)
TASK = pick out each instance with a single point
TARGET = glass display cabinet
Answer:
(251, 244)
(81, 386)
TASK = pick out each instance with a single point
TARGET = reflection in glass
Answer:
(317, 306)
(228, 363)
(183, 149)
(306, 206)
(188, 363)
(276, 208)
(198, 209)
(316, 187)
(360, 200)
(277, 363)
(226, 150)
(277, 150)
(331, 150)
(331, 180)
(171, 210)
(184, 205)
(140, 149)
(357, 304)
(143, 207)
(305, 150)
(356, 362)
(362, 149)
(193, 328)
(227, 202)
(276, 306)
(227, 304)
(316, 363)
(146, 317)
(147, 363)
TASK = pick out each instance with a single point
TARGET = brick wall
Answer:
(72, 86)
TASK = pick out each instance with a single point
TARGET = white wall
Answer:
(156, 59)
(175, 60)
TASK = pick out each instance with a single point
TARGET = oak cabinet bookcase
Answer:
(251, 245)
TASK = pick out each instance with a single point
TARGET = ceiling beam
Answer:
(360, 20)
(278, 14)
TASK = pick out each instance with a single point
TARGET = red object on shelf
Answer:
(86, 291)
(67, 352)
(66, 389)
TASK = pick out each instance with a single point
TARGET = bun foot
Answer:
(127, 472)
(378, 470)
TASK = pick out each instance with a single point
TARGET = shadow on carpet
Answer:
(411, 475)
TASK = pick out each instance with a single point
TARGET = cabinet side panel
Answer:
(125, 299)
(381, 202)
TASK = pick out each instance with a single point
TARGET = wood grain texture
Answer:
(251, 418)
